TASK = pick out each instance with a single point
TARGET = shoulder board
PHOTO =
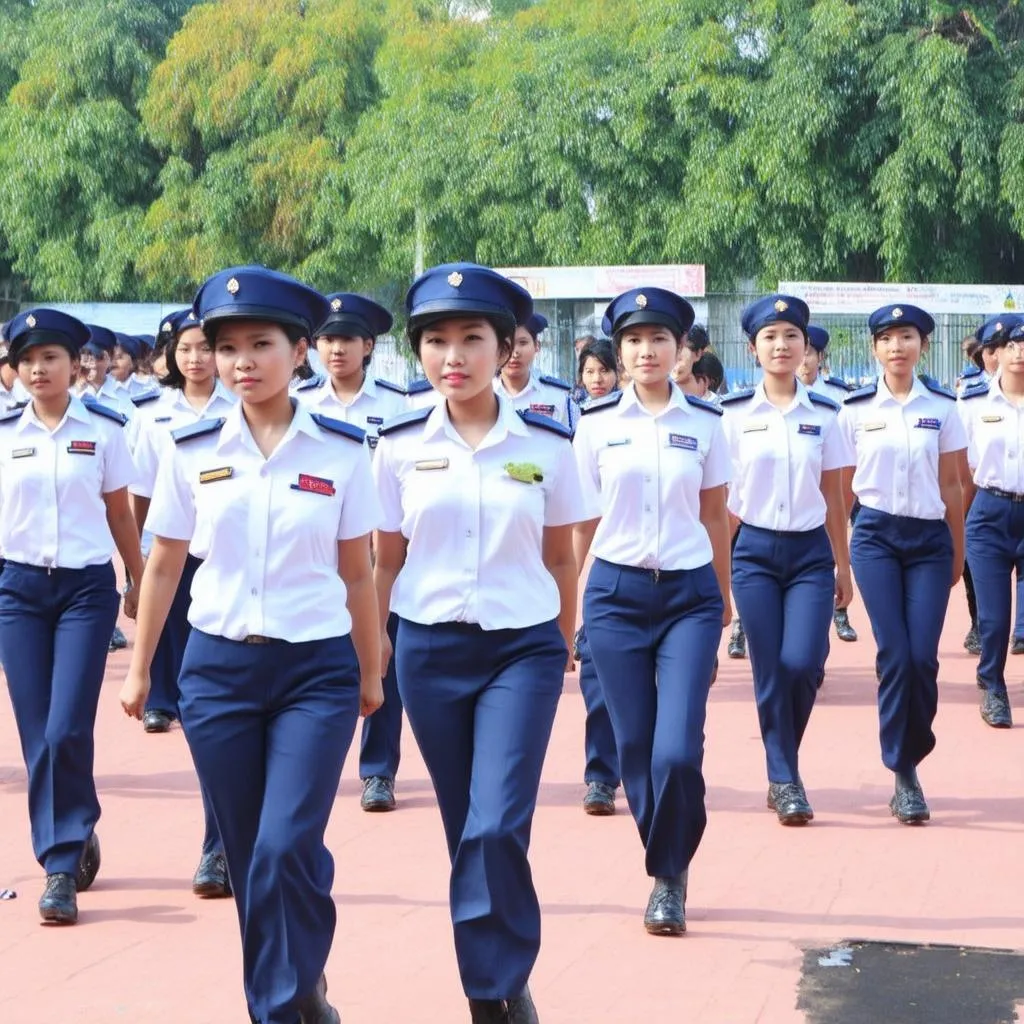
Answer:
(535, 419)
(312, 384)
(406, 419)
(12, 414)
(868, 391)
(198, 429)
(971, 371)
(607, 402)
(418, 387)
(737, 396)
(974, 391)
(147, 396)
(104, 410)
(936, 388)
(706, 406)
(389, 386)
(555, 382)
(339, 427)
(838, 382)
(819, 399)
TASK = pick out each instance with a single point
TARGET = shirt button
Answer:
(254, 592)
(647, 508)
(469, 533)
(782, 506)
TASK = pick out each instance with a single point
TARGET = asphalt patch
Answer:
(902, 983)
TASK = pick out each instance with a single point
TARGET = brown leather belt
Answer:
(1008, 495)
(253, 638)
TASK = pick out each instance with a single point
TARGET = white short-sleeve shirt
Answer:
(995, 437)
(778, 456)
(376, 402)
(267, 530)
(545, 396)
(642, 474)
(897, 446)
(474, 519)
(52, 484)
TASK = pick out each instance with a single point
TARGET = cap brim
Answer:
(237, 311)
(349, 325)
(449, 309)
(652, 318)
(36, 338)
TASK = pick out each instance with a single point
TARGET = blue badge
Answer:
(928, 423)
(813, 429)
(375, 419)
(682, 441)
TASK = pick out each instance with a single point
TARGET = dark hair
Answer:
(505, 330)
(174, 378)
(134, 359)
(601, 350)
(360, 337)
(709, 366)
(587, 339)
(697, 338)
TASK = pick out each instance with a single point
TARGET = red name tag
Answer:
(82, 448)
(315, 485)
(544, 410)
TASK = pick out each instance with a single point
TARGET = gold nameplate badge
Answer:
(210, 476)
(984, 419)
(27, 453)
(427, 464)
(751, 428)
(878, 425)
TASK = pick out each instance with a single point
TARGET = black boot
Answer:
(843, 628)
(59, 902)
(210, 882)
(666, 908)
(488, 1011)
(89, 865)
(789, 801)
(907, 804)
(315, 1009)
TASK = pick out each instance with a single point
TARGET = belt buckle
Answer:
(255, 638)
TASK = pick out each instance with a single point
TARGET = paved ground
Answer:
(760, 895)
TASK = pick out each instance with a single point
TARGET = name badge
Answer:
(991, 419)
(753, 428)
(812, 429)
(544, 410)
(682, 441)
(210, 476)
(426, 465)
(23, 453)
(929, 423)
(375, 419)
(617, 441)
(82, 448)
(162, 419)
(314, 485)
(878, 425)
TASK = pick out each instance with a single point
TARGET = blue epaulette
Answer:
(975, 390)
(699, 403)
(555, 382)
(935, 387)
(145, 397)
(838, 382)
(971, 371)
(419, 386)
(606, 402)
(314, 382)
(868, 391)
(198, 429)
(104, 410)
(535, 419)
(738, 396)
(406, 419)
(12, 414)
(819, 399)
(389, 386)
(339, 427)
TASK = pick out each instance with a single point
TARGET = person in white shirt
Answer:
(278, 503)
(907, 548)
(475, 558)
(64, 474)
(120, 385)
(13, 394)
(541, 394)
(791, 558)
(654, 464)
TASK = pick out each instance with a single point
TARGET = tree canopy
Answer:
(144, 145)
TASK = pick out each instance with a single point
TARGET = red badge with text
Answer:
(82, 448)
(314, 485)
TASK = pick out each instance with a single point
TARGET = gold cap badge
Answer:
(335, 304)
(455, 279)
(897, 313)
(30, 320)
(999, 325)
(233, 286)
(641, 301)
(191, 316)
(166, 329)
(781, 307)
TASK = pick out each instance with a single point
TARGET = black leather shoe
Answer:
(378, 794)
(118, 641)
(89, 863)
(789, 801)
(843, 628)
(972, 642)
(714, 672)
(315, 1009)
(210, 882)
(59, 904)
(995, 709)
(737, 641)
(666, 908)
(488, 1011)
(521, 1009)
(908, 804)
(1017, 647)
(157, 721)
(577, 638)
(600, 799)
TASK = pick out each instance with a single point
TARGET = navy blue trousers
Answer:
(54, 630)
(269, 726)
(598, 737)
(481, 704)
(903, 569)
(654, 641)
(381, 747)
(784, 587)
(995, 547)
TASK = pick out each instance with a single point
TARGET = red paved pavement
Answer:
(146, 951)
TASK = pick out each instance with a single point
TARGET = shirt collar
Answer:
(75, 411)
(235, 429)
(883, 395)
(802, 397)
(176, 396)
(631, 405)
(508, 422)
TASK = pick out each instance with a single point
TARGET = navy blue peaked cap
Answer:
(465, 289)
(774, 309)
(900, 316)
(354, 316)
(256, 293)
(44, 327)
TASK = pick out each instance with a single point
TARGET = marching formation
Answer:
(305, 544)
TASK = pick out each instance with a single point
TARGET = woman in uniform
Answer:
(278, 504)
(475, 558)
(654, 465)
(542, 394)
(993, 415)
(791, 559)
(907, 549)
(64, 474)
